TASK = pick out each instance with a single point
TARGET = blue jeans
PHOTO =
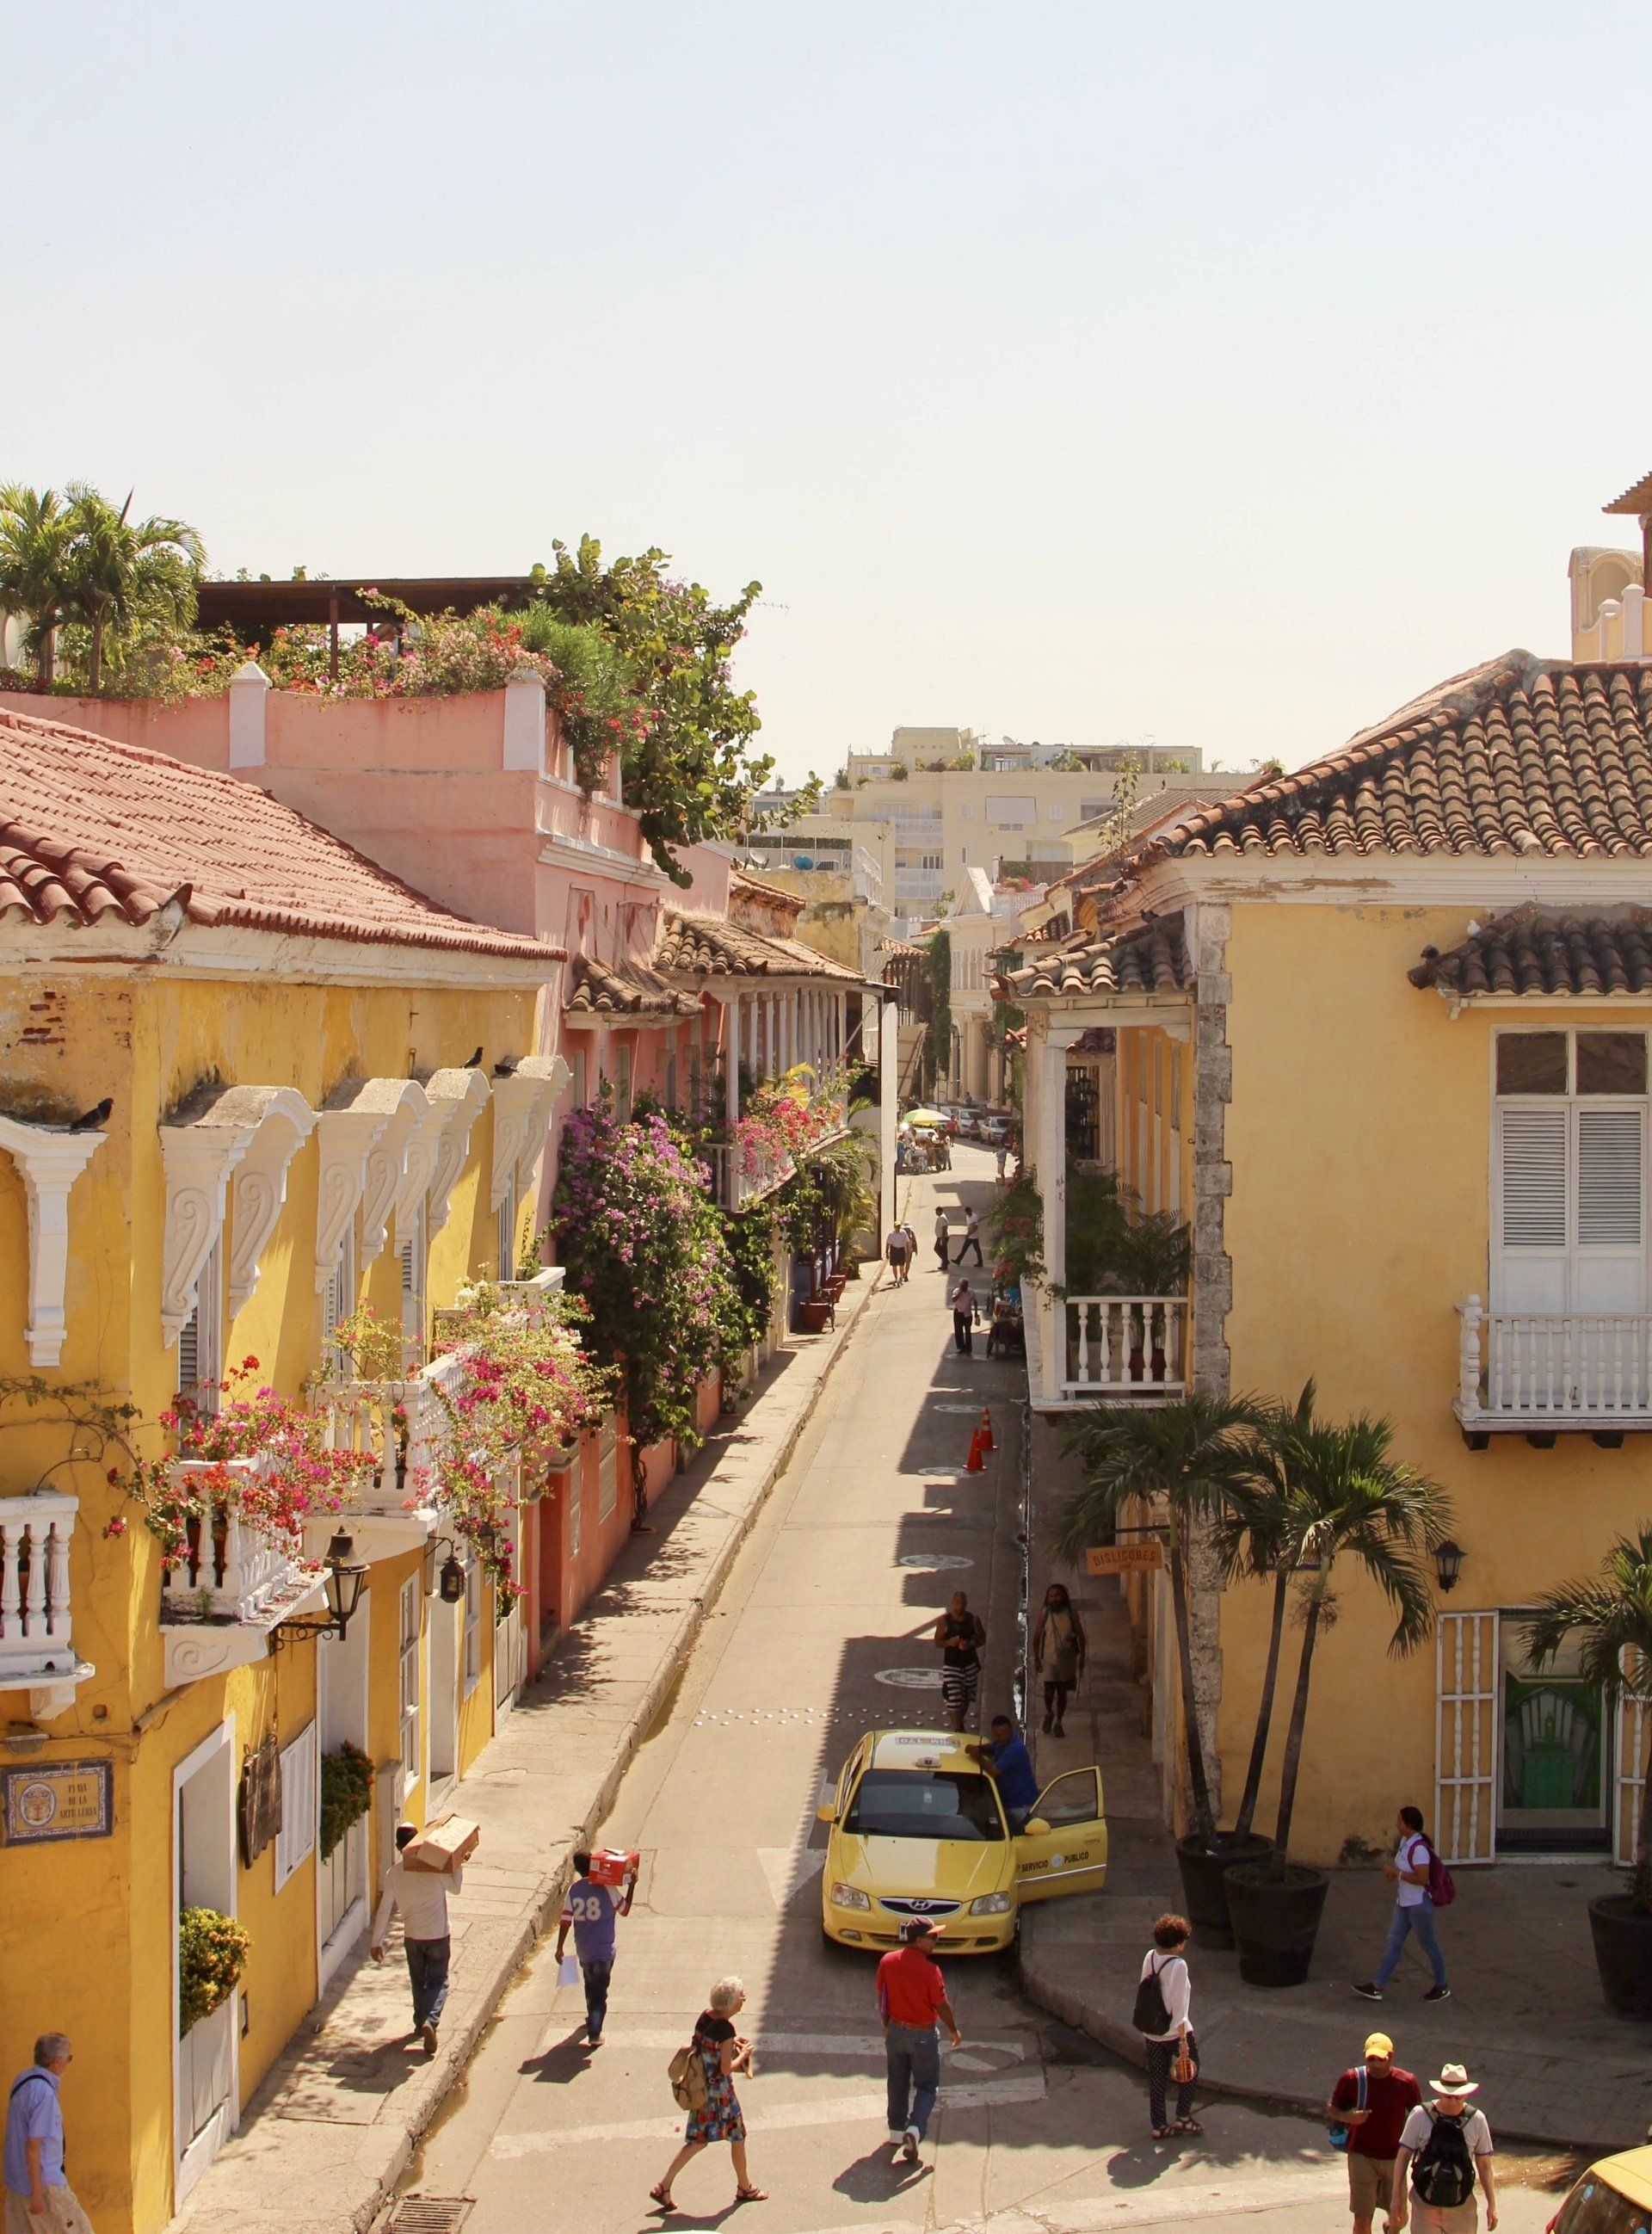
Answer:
(428, 1968)
(914, 2059)
(596, 1975)
(1418, 1916)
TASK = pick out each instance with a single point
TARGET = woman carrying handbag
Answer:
(1163, 1999)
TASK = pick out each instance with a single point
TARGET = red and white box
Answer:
(611, 1865)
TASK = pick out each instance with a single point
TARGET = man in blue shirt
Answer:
(39, 2199)
(590, 1908)
(1008, 1762)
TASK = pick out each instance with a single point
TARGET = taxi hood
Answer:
(926, 1868)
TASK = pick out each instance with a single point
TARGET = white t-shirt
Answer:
(1413, 2134)
(1174, 1985)
(1411, 1853)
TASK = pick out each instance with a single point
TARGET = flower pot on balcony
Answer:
(1622, 1936)
(1275, 1915)
(1205, 1880)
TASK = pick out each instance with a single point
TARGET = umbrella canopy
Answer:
(926, 1117)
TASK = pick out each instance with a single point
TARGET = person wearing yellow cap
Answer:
(1367, 2113)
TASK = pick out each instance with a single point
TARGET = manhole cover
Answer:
(937, 1562)
(430, 2214)
(911, 1679)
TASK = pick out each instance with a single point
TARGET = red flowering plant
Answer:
(518, 1389)
(298, 1474)
(785, 1118)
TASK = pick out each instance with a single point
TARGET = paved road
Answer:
(872, 1527)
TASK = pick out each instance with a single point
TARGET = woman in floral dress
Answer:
(722, 2052)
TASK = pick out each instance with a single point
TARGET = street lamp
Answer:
(450, 1581)
(345, 1576)
(1448, 1562)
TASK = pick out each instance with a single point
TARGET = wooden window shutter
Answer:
(1609, 1190)
(1533, 1177)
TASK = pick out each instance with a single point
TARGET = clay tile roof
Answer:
(631, 990)
(707, 946)
(1545, 955)
(91, 829)
(1150, 959)
(1520, 757)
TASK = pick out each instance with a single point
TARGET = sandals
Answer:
(1187, 2125)
(751, 2195)
(662, 2196)
(1163, 2132)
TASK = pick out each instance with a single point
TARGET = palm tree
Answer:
(1611, 1618)
(120, 571)
(1193, 1455)
(1254, 1538)
(35, 531)
(1346, 1494)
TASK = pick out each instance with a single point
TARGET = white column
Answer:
(888, 1080)
(249, 706)
(525, 728)
(1047, 1073)
(731, 1060)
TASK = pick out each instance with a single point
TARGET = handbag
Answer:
(1185, 2069)
(690, 2086)
(1338, 2135)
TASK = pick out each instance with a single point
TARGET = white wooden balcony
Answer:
(1125, 1348)
(232, 1582)
(742, 1174)
(36, 1642)
(1541, 1372)
(405, 1427)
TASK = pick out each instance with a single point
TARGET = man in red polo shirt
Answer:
(1373, 2103)
(911, 1996)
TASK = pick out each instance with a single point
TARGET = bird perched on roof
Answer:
(475, 1061)
(89, 1119)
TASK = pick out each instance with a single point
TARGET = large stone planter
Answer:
(1275, 1920)
(1622, 1936)
(1205, 1880)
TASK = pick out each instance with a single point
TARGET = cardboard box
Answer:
(445, 1844)
(611, 1865)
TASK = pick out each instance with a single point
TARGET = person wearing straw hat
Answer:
(1445, 2145)
(1370, 2104)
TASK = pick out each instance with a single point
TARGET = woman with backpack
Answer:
(1162, 2000)
(703, 2080)
(1422, 1884)
(1446, 2146)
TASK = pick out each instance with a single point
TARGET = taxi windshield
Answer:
(899, 1803)
(1595, 2207)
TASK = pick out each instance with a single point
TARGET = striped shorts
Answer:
(959, 1686)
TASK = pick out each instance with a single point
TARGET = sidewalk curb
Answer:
(455, 2060)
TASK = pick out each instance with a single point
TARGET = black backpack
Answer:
(1151, 2016)
(1444, 2172)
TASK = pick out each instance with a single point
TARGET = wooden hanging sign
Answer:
(1124, 1558)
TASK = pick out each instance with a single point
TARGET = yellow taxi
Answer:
(918, 1829)
(1613, 2197)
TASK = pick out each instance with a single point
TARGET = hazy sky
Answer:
(1214, 375)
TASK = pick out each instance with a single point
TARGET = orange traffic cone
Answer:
(975, 1463)
(987, 1443)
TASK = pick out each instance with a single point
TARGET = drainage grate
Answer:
(430, 2214)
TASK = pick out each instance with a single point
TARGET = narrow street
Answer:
(822, 1631)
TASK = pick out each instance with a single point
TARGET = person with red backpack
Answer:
(1423, 1884)
(1446, 2146)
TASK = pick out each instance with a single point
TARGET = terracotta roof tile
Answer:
(1150, 959)
(1542, 954)
(632, 989)
(91, 829)
(707, 946)
(1520, 758)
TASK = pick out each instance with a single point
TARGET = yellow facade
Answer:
(87, 1924)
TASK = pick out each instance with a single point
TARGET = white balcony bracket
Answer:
(349, 1127)
(260, 1184)
(461, 1096)
(522, 1105)
(49, 1160)
(386, 1162)
(199, 1152)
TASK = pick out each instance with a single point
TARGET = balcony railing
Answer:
(1126, 1346)
(229, 1569)
(404, 1424)
(36, 1646)
(742, 1175)
(1542, 1371)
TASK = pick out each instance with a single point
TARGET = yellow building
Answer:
(1378, 1031)
(249, 1080)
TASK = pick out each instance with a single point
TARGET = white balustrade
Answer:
(1553, 1369)
(1126, 1346)
(230, 1569)
(34, 1609)
(746, 1172)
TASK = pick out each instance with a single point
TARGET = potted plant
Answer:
(1345, 1495)
(1188, 1458)
(1611, 1619)
(213, 1951)
(346, 1793)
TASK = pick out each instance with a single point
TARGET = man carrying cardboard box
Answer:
(421, 1894)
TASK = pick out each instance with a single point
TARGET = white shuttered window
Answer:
(1569, 1179)
(300, 1802)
